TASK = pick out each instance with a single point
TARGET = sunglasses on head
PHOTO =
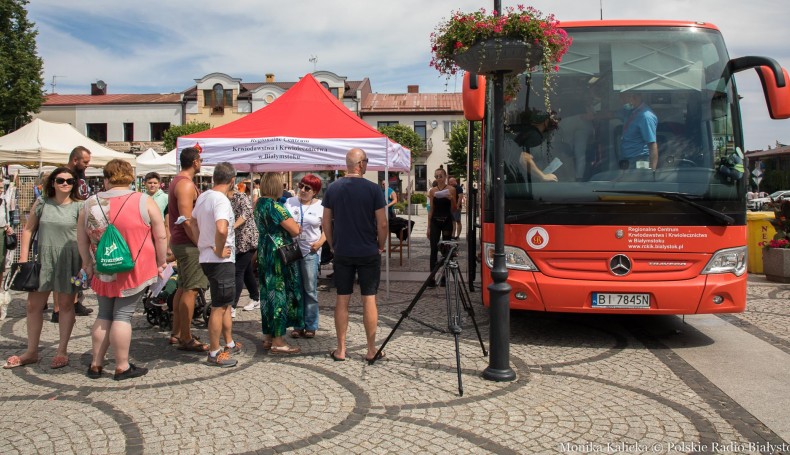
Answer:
(61, 181)
(302, 186)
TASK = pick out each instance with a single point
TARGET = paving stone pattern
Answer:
(584, 384)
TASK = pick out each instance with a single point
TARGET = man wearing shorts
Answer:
(180, 201)
(214, 219)
(355, 225)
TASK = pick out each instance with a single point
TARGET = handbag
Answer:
(10, 241)
(25, 275)
(289, 253)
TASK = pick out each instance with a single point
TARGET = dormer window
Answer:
(217, 99)
(333, 90)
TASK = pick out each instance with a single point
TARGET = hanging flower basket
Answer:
(499, 54)
(516, 33)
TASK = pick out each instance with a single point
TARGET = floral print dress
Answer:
(281, 285)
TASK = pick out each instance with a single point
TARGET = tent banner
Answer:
(290, 153)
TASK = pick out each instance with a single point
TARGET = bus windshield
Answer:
(643, 129)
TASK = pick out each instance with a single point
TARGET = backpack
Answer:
(112, 251)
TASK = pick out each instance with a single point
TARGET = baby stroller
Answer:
(158, 309)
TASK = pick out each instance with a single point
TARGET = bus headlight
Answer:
(515, 258)
(731, 260)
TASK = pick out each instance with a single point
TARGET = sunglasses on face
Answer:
(61, 181)
(438, 176)
(306, 188)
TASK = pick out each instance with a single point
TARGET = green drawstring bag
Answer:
(112, 252)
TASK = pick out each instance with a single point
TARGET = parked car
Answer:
(763, 203)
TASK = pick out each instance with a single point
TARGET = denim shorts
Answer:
(367, 268)
(221, 282)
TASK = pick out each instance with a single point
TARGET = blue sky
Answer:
(146, 46)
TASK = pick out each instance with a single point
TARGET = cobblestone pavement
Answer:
(584, 384)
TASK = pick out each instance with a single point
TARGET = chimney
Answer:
(413, 89)
(270, 77)
(98, 88)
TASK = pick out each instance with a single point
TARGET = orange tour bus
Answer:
(594, 221)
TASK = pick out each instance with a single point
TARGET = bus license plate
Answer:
(607, 300)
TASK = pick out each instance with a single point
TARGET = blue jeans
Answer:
(309, 268)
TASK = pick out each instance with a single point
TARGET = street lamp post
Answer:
(499, 290)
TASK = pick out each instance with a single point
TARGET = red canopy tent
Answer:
(304, 129)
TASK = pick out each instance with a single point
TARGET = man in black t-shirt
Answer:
(79, 159)
(355, 225)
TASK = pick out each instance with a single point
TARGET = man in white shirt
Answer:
(216, 243)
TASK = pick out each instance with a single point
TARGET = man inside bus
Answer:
(638, 146)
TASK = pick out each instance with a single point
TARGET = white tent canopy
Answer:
(150, 161)
(45, 143)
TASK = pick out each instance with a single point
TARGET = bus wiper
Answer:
(681, 197)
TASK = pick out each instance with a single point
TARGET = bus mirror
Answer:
(777, 98)
(474, 97)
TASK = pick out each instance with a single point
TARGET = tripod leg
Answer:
(458, 367)
(407, 311)
(467, 302)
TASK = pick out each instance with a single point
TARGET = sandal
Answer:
(285, 350)
(336, 358)
(267, 345)
(296, 333)
(378, 356)
(59, 361)
(173, 340)
(15, 361)
(193, 345)
(308, 333)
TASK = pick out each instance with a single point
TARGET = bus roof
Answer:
(636, 23)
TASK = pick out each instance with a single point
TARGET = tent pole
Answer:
(386, 201)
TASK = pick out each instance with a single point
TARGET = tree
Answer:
(406, 137)
(21, 80)
(174, 132)
(459, 140)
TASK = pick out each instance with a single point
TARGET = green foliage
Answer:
(418, 198)
(775, 180)
(21, 81)
(174, 132)
(458, 143)
(406, 137)
(400, 207)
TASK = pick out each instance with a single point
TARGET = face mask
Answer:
(531, 137)
(628, 106)
(596, 107)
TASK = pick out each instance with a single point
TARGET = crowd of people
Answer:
(215, 238)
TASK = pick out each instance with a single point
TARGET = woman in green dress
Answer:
(54, 216)
(281, 285)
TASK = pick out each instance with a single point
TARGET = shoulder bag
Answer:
(25, 275)
(289, 253)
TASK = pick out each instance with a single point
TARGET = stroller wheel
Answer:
(150, 315)
(165, 321)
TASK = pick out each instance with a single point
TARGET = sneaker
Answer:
(235, 350)
(131, 372)
(253, 305)
(54, 318)
(221, 360)
(233, 312)
(82, 310)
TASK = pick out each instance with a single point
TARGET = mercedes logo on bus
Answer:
(620, 265)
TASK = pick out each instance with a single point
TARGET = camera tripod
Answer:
(456, 296)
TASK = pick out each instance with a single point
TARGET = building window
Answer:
(333, 90)
(97, 131)
(422, 130)
(386, 123)
(158, 130)
(420, 177)
(217, 97)
(128, 132)
(448, 127)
